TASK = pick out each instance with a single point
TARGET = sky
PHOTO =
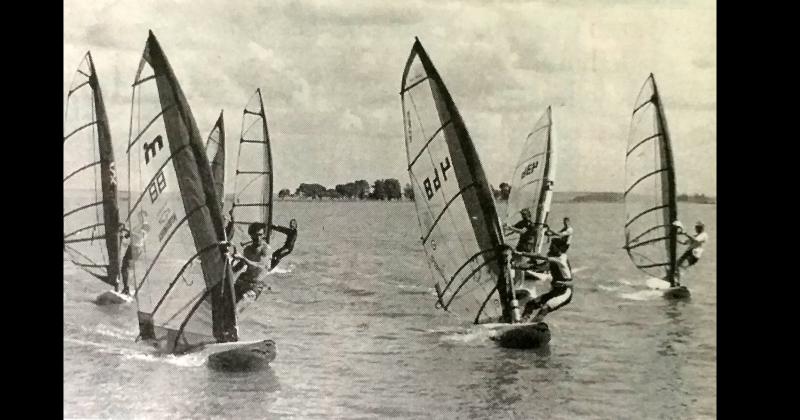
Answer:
(330, 71)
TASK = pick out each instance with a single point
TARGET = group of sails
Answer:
(188, 276)
(476, 274)
(182, 259)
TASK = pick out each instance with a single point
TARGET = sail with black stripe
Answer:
(91, 212)
(252, 201)
(456, 211)
(182, 277)
(215, 151)
(533, 178)
(650, 199)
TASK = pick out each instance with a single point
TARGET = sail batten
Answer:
(650, 198)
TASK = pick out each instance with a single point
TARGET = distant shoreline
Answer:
(558, 197)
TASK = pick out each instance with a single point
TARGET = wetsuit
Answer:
(566, 235)
(560, 293)
(288, 246)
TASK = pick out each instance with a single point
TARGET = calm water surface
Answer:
(358, 336)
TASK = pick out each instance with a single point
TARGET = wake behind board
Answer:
(111, 297)
(240, 355)
(523, 336)
(678, 292)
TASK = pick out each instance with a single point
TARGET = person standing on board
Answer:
(134, 251)
(526, 230)
(560, 293)
(565, 233)
(527, 239)
(695, 248)
(288, 245)
(254, 257)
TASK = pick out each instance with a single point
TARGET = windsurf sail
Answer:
(456, 211)
(533, 178)
(650, 201)
(252, 201)
(183, 282)
(91, 212)
(215, 151)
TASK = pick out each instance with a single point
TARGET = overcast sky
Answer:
(330, 74)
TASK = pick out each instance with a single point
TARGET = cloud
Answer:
(330, 73)
(704, 62)
(353, 13)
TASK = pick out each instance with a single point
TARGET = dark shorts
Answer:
(524, 247)
(688, 256)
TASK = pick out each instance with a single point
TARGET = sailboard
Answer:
(650, 199)
(459, 225)
(183, 278)
(533, 178)
(91, 211)
(215, 151)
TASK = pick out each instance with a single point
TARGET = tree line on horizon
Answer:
(390, 189)
(381, 189)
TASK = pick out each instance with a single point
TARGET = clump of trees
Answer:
(697, 198)
(381, 189)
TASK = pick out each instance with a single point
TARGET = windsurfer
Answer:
(526, 230)
(288, 245)
(254, 257)
(561, 284)
(565, 233)
(695, 248)
(527, 237)
(135, 247)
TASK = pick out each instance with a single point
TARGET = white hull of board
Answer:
(113, 298)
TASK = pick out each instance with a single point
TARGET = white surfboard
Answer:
(111, 297)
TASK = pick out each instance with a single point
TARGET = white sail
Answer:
(650, 201)
(458, 220)
(533, 178)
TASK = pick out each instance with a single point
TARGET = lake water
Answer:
(358, 335)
